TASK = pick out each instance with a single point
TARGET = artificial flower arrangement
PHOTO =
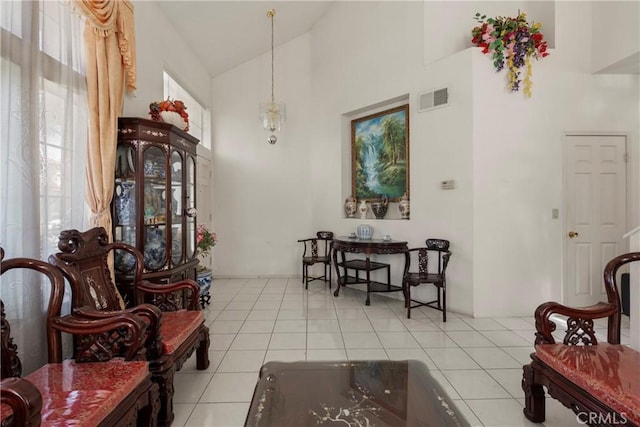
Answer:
(205, 240)
(513, 41)
(174, 112)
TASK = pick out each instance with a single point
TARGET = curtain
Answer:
(110, 49)
(43, 127)
(110, 42)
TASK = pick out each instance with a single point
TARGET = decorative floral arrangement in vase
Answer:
(168, 111)
(512, 41)
(205, 240)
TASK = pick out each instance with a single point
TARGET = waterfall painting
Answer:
(380, 155)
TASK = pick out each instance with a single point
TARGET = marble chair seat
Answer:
(177, 327)
(609, 372)
(85, 394)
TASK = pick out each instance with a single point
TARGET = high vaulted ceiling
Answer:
(225, 34)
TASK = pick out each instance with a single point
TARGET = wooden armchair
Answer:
(600, 382)
(112, 391)
(174, 333)
(317, 250)
(437, 251)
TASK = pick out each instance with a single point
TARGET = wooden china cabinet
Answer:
(154, 205)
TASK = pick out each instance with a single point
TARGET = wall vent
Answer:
(433, 99)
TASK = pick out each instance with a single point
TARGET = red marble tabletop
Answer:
(351, 393)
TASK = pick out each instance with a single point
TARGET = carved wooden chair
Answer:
(174, 334)
(432, 261)
(317, 250)
(598, 381)
(108, 392)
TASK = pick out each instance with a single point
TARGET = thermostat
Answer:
(449, 184)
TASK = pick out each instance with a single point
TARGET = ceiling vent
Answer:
(432, 99)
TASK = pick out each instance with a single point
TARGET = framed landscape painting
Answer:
(380, 155)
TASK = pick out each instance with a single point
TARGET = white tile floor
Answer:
(252, 321)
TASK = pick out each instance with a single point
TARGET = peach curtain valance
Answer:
(106, 17)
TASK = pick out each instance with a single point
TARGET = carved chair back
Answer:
(318, 249)
(94, 340)
(84, 261)
(439, 250)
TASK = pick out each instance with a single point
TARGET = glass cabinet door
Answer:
(191, 207)
(177, 210)
(124, 206)
(155, 208)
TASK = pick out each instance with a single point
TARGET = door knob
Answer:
(573, 234)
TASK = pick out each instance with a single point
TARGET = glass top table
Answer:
(350, 393)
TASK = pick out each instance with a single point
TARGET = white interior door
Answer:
(204, 187)
(596, 213)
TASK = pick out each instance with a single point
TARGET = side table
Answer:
(367, 247)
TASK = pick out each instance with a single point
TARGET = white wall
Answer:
(518, 149)
(262, 195)
(504, 151)
(355, 65)
(615, 32)
(351, 63)
(155, 33)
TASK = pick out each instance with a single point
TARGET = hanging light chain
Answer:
(271, 13)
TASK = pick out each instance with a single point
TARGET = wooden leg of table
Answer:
(389, 278)
(338, 276)
(368, 301)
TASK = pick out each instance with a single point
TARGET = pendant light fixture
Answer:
(272, 114)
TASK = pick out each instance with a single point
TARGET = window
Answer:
(43, 131)
(199, 117)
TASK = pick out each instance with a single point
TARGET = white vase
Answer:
(350, 207)
(404, 207)
(363, 208)
(364, 231)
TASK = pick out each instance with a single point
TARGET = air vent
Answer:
(433, 99)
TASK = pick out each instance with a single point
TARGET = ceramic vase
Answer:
(204, 278)
(149, 167)
(124, 261)
(350, 207)
(154, 249)
(404, 206)
(364, 231)
(125, 202)
(363, 208)
(379, 207)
